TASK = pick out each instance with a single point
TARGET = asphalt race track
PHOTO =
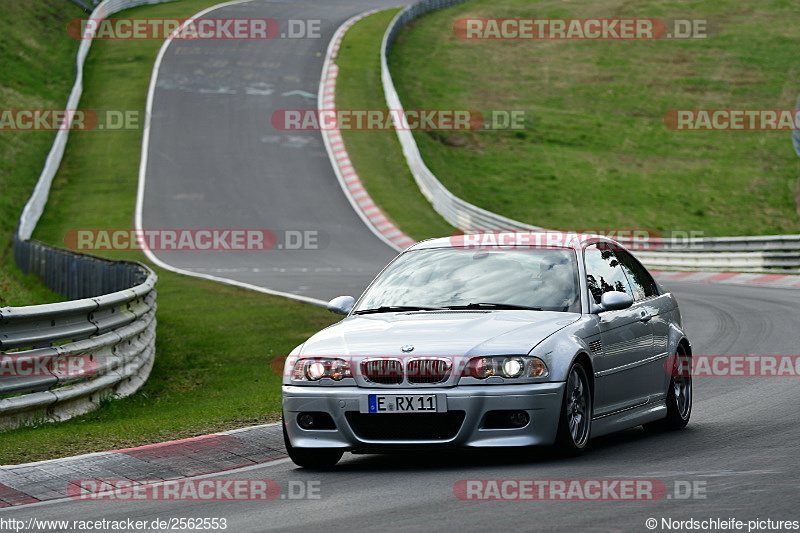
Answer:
(215, 161)
(740, 448)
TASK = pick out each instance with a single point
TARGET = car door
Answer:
(625, 335)
(658, 307)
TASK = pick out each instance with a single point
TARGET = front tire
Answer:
(575, 421)
(311, 458)
(679, 396)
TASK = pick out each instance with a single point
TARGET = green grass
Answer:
(595, 152)
(32, 35)
(214, 342)
(376, 155)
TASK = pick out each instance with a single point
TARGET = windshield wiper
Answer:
(490, 305)
(394, 308)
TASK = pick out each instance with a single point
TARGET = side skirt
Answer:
(628, 418)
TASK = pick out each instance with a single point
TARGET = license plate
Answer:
(402, 403)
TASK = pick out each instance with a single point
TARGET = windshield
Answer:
(544, 279)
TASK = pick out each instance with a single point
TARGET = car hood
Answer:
(445, 333)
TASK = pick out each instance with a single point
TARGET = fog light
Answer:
(315, 420)
(506, 419)
(518, 419)
(306, 421)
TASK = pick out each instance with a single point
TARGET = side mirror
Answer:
(341, 305)
(613, 301)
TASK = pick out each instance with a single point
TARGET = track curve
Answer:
(213, 160)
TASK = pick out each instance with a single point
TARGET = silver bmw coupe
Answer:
(515, 339)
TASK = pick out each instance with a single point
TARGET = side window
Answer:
(643, 283)
(604, 273)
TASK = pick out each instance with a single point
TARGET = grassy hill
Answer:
(38, 70)
(595, 152)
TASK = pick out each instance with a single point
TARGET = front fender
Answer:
(559, 354)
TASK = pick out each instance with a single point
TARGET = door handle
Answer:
(645, 316)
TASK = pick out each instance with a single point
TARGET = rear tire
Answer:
(679, 397)
(311, 458)
(575, 421)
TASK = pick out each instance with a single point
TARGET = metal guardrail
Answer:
(48, 324)
(772, 262)
(108, 350)
(62, 359)
(768, 253)
(756, 254)
(734, 244)
(73, 274)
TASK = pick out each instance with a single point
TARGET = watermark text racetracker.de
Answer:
(68, 367)
(209, 489)
(577, 490)
(73, 119)
(82, 240)
(633, 238)
(196, 28)
(64, 366)
(399, 119)
(589, 29)
(732, 119)
(637, 239)
(733, 365)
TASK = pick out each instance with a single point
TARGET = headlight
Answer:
(513, 367)
(506, 366)
(316, 368)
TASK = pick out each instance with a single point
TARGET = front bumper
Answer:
(542, 402)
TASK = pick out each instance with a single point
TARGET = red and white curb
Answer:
(179, 459)
(733, 278)
(351, 184)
